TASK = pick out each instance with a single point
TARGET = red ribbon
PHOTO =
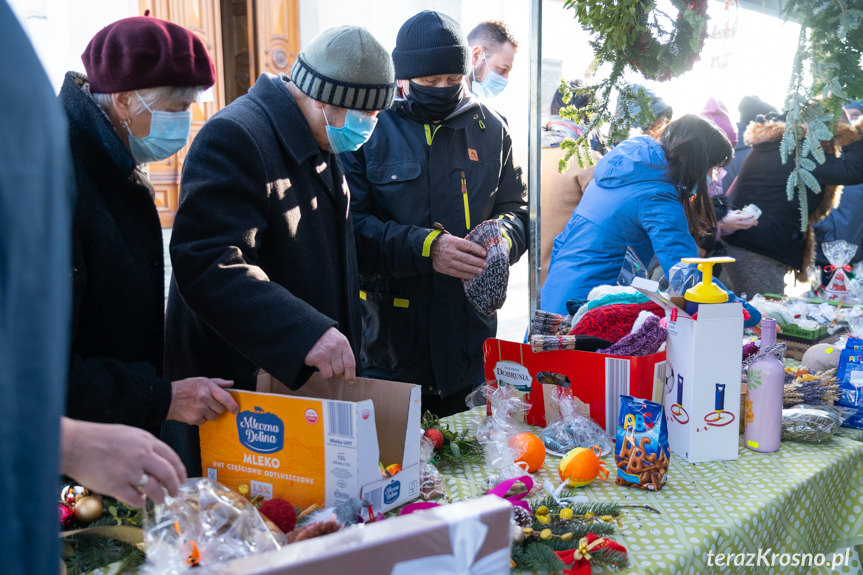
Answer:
(831, 268)
(578, 559)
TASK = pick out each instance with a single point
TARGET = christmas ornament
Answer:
(529, 451)
(581, 466)
(280, 512)
(88, 509)
(72, 493)
(435, 436)
(589, 547)
(66, 514)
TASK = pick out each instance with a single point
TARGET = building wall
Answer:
(61, 29)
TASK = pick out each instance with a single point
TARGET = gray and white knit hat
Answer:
(346, 67)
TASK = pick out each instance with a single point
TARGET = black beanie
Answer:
(428, 44)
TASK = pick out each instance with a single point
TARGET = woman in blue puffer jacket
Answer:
(647, 195)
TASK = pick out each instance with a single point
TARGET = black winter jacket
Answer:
(418, 326)
(262, 247)
(118, 277)
(762, 181)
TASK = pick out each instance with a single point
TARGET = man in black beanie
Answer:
(439, 164)
(265, 271)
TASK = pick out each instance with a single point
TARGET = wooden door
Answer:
(244, 38)
(277, 35)
(203, 17)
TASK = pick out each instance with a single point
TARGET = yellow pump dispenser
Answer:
(706, 291)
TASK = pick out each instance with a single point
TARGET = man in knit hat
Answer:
(265, 272)
(439, 165)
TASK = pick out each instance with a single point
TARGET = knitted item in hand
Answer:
(546, 323)
(566, 342)
(612, 322)
(647, 339)
(487, 291)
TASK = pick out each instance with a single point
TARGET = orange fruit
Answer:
(580, 466)
(393, 469)
(528, 450)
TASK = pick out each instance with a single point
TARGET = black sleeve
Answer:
(215, 244)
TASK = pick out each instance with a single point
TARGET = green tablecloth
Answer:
(803, 499)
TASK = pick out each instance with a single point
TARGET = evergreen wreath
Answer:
(648, 39)
(630, 34)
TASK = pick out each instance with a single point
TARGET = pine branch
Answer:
(536, 557)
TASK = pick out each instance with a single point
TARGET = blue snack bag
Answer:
(641, 446)
(850, 378)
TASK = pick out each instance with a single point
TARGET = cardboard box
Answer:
(596, 380)
(702, 388)
(320, 444)
(445, 539)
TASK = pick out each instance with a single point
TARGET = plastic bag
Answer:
(572, 429)
(632, 268)
(681, 277)
(839, 253)
(811, 423)
(205, 524)
(494, 432)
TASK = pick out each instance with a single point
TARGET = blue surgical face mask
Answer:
(169, 131)
(350, 137)
(493, 84)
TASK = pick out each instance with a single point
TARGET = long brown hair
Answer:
(693, 146)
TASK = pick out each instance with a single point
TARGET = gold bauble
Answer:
(88, 509)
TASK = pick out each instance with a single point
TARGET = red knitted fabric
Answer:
(614, 321)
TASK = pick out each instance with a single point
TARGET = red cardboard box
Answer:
(595, 379)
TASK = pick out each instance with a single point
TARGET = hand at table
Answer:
(736, 220)
(113, 459)
(333, 357)
(457, 257)
(198, 399)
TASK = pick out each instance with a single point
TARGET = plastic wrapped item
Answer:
(773, 309)
(495, 431)
(839, 253)
(431, 481)
(854, 318)
(572, 429)
(205, 524)
(812, 423)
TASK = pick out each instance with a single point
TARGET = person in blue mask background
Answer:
(439, 163)
(131, 108)
(265, 266)
(492, 48)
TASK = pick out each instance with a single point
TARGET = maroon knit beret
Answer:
(145, 52)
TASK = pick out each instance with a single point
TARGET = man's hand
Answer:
(198, 399)
(121, 461)
(458, 258)
(333, 357)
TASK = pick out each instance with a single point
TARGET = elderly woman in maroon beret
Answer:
(131, 108)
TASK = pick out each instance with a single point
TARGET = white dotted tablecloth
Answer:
(803, 499)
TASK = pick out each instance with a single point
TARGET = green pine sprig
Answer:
(537, 557)
(459, 448)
